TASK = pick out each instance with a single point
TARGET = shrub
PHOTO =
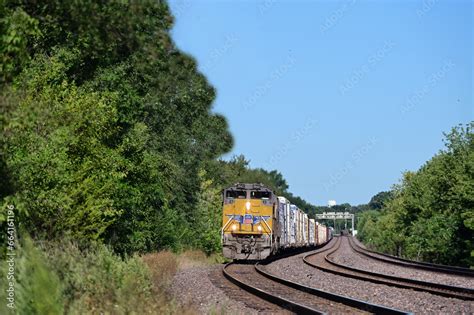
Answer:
(38, 289)
(98, 281)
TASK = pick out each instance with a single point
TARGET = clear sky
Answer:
(340, 96)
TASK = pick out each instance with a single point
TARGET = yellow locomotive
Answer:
(248, 215)
(256, 223)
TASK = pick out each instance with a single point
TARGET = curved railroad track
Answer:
(325, 263)
(453, 270)
(380, 264)
(294, 296)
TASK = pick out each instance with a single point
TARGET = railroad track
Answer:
(410, 263)
(324, 263)
(294, 296)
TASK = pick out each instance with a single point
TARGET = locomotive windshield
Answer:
(240, 194)
(260, 195)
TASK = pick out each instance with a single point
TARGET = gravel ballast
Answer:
(294, 269)
(347, 256)
(205, 290)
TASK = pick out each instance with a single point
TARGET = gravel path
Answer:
(347, 256)
(294, 269)
(205, 290)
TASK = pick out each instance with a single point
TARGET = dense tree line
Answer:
(105, 123)
(107, 133)
(429, 215)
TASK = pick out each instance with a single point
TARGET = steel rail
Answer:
(298, 307)
(430, 287)
(411, 263)
(272, 298)
(355, 303)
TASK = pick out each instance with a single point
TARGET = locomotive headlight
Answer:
(247, 205)
(234, 227)
(259, 228)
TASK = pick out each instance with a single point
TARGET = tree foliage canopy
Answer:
(430, 215)
(105, 124)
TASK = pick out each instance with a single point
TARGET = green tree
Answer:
(429, 214)
(107, 123)
(378, 201)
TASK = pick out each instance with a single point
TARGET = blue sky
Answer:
(340, 96)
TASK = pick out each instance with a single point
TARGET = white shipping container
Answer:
(297, 229)
(311, 232)
(322, 234)
(287, 225)
(305, 229)
(293, 224)
(301, 228)
(316, 233)
(282, 220)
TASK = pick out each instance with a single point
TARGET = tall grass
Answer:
(163, 267)
(61, 278)
(98, 281)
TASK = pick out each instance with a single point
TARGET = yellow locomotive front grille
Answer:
(247, 216)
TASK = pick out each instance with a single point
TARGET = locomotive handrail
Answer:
(268, 226)
(230, 219)
(271, 231)
(225, 225)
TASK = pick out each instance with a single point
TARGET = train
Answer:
(256, 224)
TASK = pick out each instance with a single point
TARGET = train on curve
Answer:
(256, 224)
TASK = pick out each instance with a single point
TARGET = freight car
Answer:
(256, 224)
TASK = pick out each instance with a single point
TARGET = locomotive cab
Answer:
(247, 221)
